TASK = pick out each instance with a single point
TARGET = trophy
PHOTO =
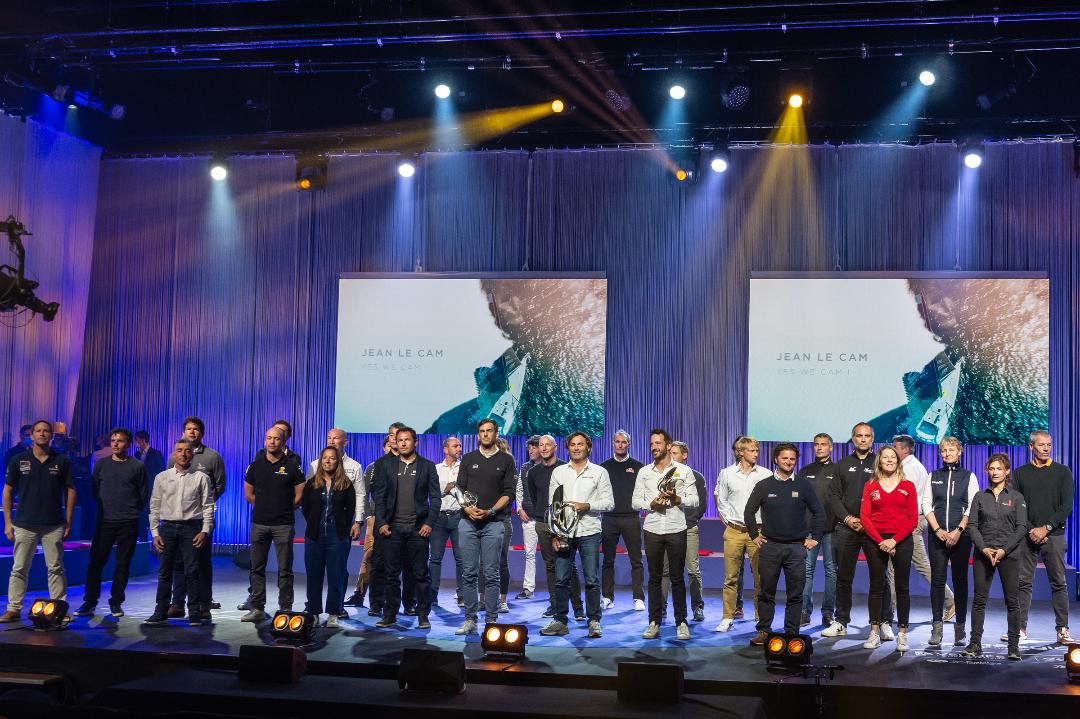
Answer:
(562, 517)
(666, 485)
(465, 498)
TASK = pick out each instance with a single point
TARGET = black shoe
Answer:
(116, 610)
(699, 615)
(461, 601)
(86, 609)
(423, 623)
(826, 619)
(197, 617)
(386, 622)
(410, 611)
(215, 605)
(1014, 653)
(244, 606)
(973, 649)
(373, 612)
(157, 619)
(579, 614)
(549, 612)
(343, 615)
(354, 600)
(175, 611)
(524, 594)
(759, 638)
(804, 620)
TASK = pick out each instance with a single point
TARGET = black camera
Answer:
(15, 290)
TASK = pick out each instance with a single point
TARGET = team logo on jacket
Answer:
(771, 495)
(875, 495)
(24, 466)
(903, 492)
(853, 469)
(1008, 502)
(54, 469)
(280, 470)
(630, 470)
(794, 494)
(476, 466)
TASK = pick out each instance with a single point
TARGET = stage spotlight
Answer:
(720, 160)
(790, 651)
(927, 78)
(795, 100)
(677, 92)
(311, 171)
(292, 627)
(557, 105)
(73, 107)
(973, 156)
(406, 168)
(442, 91)
(218, 170)
(682, 174)
(49, 613)
(508, 639)
(1072, 662)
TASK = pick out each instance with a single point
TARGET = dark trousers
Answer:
(671, 547)
(262, 536)
(377, 583)
(178, 537)
(846, 547)
(1052, 554)
(124, 535)
(504, 561)
(204, 556)
(326, 557)
(876, 562)
(628, 526)
(405, 547)
(543, 535)
(983, 573)
(941, 558)
(774, 557)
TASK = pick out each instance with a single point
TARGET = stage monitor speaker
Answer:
(655, 682)
(432, 670)
(276, 665)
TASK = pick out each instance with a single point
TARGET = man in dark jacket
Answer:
(407, 501)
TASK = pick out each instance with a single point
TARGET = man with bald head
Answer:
(337, 438)
(272, 486)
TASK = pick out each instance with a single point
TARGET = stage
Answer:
(103, 652)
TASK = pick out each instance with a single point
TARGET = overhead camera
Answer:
(15, 290)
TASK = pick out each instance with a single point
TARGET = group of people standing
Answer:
(406, 507)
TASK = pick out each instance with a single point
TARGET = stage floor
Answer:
(708, 656)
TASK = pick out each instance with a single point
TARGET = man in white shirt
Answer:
(446, 524)
(733, 488)
(915, 471)
(587, 488)
(665, 529)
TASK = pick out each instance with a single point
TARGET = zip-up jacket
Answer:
(852, 474)
(952, 488)
(998, 522)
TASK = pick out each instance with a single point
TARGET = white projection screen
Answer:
(926, 354)
(442, 351)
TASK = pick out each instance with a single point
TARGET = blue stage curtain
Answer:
(49, 181)
(220, 299)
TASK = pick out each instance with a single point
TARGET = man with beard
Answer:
(622, 521)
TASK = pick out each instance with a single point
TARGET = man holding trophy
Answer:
(578, 493)
(665, 489)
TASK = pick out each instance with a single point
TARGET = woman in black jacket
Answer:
(328, 502)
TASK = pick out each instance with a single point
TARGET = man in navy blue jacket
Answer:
(407, 501)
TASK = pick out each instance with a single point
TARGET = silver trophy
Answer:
(562, 518)
(666, 485)
(466, 498)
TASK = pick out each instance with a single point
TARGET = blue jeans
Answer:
(446, 525)
(589, 549)
(326, 557)
(481, 547)
(828, 603)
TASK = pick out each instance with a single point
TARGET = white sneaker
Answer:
(606, 603)
(901, 643)
(467, 627)
(725, 625)
(1063, 636)
(652, 631)
(873, 642)
(836, 629)
(1023, 636)
(886, 632)
(682, 632)
(331, 622)
(639, 605)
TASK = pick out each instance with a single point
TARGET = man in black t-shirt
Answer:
(622, 521)
(121, 489)
(273, 486)
(41, 479)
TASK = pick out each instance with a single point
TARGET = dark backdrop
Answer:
(219, 299)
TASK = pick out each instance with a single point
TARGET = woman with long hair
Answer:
(890, 514)
(998, 525)
(328, 502)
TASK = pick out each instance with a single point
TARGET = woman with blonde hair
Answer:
(328, 502)
(889, 514)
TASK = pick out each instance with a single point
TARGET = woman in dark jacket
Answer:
(328, 502)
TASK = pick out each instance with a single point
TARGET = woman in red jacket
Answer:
(889, 513)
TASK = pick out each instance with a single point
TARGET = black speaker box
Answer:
(432, 670)
(277, 665)
(653, 682)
